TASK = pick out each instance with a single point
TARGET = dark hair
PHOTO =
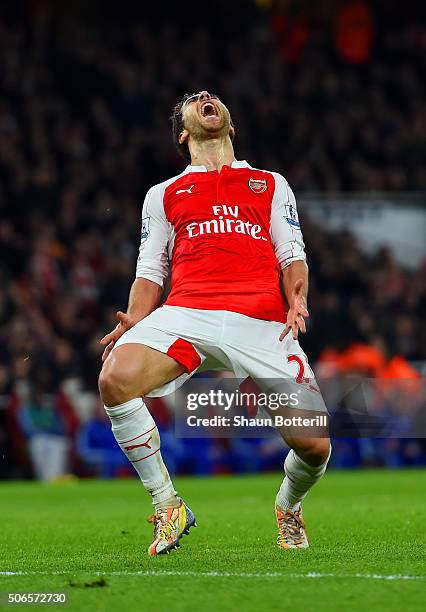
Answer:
(177, 127)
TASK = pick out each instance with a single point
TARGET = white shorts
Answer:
(203, 340)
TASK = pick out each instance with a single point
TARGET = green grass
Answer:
(365, 523)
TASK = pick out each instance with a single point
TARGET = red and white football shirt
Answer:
(226, 235)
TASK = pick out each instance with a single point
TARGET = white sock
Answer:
(138, 437)
(299, 478)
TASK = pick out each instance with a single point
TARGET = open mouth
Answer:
(208, 109)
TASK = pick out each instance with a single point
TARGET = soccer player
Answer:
(229, 232)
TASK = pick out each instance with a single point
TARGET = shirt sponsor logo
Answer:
(226, 221)
(258, 185)
(145, 228)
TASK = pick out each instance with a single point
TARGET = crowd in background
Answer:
(84, 132)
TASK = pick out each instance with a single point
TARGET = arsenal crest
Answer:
(258, 185)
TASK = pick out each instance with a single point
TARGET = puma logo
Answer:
(185, 190)
(146, 444)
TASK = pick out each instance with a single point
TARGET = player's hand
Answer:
(108, 341)
(297, 312)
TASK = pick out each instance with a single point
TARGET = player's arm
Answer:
(151, 269)
(290, 251)
(144, 297)
(295, 281)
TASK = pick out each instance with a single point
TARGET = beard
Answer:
(207, 128)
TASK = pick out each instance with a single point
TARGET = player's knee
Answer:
(114, 386)
(315, 451)
(319, 451)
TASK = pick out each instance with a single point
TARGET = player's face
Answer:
(205, 115)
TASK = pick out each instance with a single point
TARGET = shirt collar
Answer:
(235, 164)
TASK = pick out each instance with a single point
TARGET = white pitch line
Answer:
(160, 573)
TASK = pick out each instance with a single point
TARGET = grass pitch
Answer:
(89, 539)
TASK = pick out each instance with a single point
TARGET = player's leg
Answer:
(165, 346)
(304, 466)
(307, 460)
(133, 370)
(254, 345)
(130, 372)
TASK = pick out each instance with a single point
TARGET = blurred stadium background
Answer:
(331, 94)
